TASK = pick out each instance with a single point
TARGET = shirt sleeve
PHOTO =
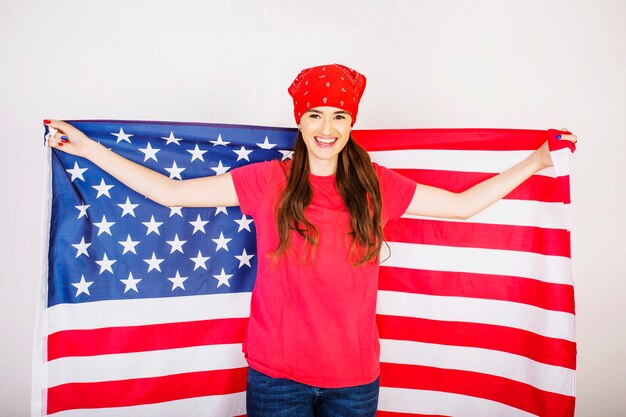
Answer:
(396, 190)
(252, 183)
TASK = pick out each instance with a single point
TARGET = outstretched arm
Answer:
(435, 202)
(214, 191)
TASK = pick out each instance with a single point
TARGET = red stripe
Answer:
(145, 338)
(536, 188)
(513, 393)
(551, 351)
(394, 414)
(556, 297)
(455, 139)
(139, 391)
(555, 242)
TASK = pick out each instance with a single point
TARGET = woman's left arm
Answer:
(436, 202)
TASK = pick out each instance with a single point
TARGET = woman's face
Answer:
(325, 131)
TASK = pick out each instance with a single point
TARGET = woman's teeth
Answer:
(326, 141)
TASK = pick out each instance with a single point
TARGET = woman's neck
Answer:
(323, 167)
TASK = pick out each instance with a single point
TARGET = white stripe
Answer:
(546, 268)
(561, 161)
(112, 313)
(145, 364)
(460, 161)
(477, 310)
(485, 361)
(402, 400)
(518, 213)
(214, 406)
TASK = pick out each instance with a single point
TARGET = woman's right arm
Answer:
(214, 191)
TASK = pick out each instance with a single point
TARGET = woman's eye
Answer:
(340, 116)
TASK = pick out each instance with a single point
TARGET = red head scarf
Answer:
(327, 85)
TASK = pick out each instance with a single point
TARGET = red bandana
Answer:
(327, 85)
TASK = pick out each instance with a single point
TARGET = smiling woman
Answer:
(311, 341)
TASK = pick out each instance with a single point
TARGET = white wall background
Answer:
(429, 63)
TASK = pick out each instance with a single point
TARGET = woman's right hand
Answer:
(76, 142)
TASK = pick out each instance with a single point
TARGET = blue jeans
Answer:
(280, 397)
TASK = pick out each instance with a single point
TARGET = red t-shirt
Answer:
(313, 322)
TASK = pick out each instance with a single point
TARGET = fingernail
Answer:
(46, 122)
(558, 136)
(60, 144)
(64, 137)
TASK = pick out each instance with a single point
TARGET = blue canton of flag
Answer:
(113, 243)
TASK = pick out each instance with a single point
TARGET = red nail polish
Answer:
(46, 122)
(60, 144)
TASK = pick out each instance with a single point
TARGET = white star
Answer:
(266, 144)
(77, 172)
(244, 259)
(178, 281)
(222, 243)
(82, 286)
(128, 208)
(220, 169)
(196, 153)
(243, 154)
(122, 136)
(149, 152)
(153, 263)
(175, 171)
(103, 188)
(200, 261)
(104, 226)
(176, 210)
(244, 223)
(81, 248)
(172, 139)
(219, 141)
(177, 245)
(105, 264)
(131, 283)
(82, 210)
(153, 226)
(221, 209)
(286, 154)
(129, 245)
(222, 278)
(198, 225)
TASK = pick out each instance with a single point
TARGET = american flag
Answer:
(144, 307)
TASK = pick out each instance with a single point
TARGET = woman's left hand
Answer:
(543, 153)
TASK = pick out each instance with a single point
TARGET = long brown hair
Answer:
(357, 184)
